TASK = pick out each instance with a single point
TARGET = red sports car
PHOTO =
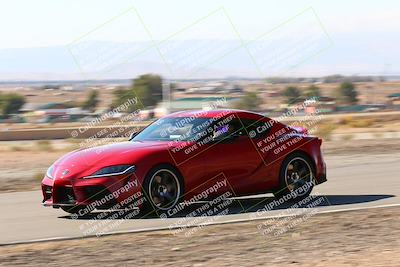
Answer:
(185, 157)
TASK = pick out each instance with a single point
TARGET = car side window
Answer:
(227, 127)
(222, 129)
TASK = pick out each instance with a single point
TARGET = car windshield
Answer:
(174, 129)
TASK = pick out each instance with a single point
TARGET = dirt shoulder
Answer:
(24, 170)
(371, 146)
(354, 238)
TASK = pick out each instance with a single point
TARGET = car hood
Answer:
(118, 153)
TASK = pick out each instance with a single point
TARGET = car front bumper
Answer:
(104, 192)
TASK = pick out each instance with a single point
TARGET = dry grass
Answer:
(38, 176)
(44, 145)
(347, 137)
(16, 148)
(358, 123)
(324, 131)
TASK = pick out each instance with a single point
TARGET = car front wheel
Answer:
(163, 189)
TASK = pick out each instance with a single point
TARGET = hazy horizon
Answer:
(71, 40)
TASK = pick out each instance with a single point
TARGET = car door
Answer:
(232, 154)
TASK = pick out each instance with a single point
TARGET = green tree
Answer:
(122, 96)
(91, 101)
(292, 94)
(147, 88)
(10, 103)
(250, 101)
(312, 91)
(347, 93)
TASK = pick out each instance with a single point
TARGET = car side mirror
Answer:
(132, 135)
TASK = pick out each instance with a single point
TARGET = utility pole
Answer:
(166, 95)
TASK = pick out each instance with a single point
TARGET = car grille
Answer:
(65, 195)
(98, 193)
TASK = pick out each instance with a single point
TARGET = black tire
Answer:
(151, 181)
(300, 187)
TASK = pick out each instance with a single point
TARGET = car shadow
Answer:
(237, 206)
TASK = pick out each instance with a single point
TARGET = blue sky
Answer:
(369, 28)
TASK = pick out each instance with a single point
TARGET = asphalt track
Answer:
(354, 182)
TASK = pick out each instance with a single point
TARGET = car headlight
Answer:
(112, 171)
(50, 172)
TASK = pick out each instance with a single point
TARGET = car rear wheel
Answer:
(163, 189)
(296, 177)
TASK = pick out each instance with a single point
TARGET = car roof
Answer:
(215, 113)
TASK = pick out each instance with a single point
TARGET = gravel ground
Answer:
(353, 238)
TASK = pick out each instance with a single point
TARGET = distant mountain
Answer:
(198, 59)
